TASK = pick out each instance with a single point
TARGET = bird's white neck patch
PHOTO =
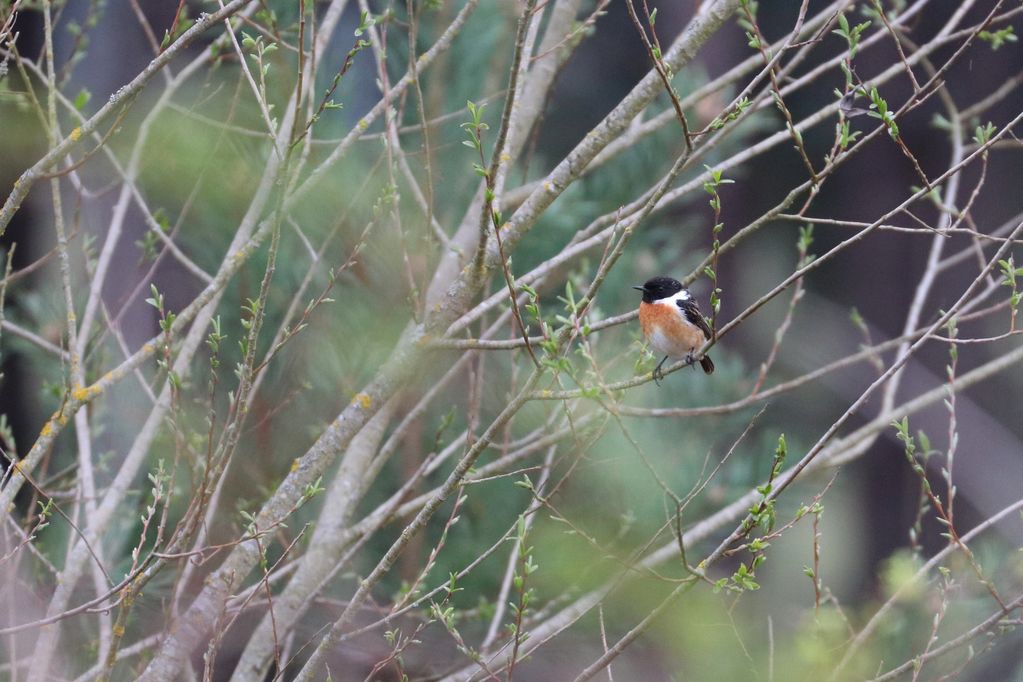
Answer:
(674, 299)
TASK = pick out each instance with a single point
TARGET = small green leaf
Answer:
(82, 98)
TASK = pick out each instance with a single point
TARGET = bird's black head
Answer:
(657, 288)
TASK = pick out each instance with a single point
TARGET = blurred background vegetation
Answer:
(202, 162)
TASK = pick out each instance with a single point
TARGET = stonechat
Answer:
(672, 322)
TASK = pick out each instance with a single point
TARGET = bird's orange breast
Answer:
(667, 330)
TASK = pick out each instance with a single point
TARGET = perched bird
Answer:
(672, 323)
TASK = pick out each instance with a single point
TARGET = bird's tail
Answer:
(707, 364)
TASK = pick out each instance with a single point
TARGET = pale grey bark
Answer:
(324, 551)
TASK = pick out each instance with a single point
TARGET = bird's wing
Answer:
(692, 312)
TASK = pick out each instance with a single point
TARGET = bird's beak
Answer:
(639, 287)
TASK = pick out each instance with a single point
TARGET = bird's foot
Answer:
(658, 373)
